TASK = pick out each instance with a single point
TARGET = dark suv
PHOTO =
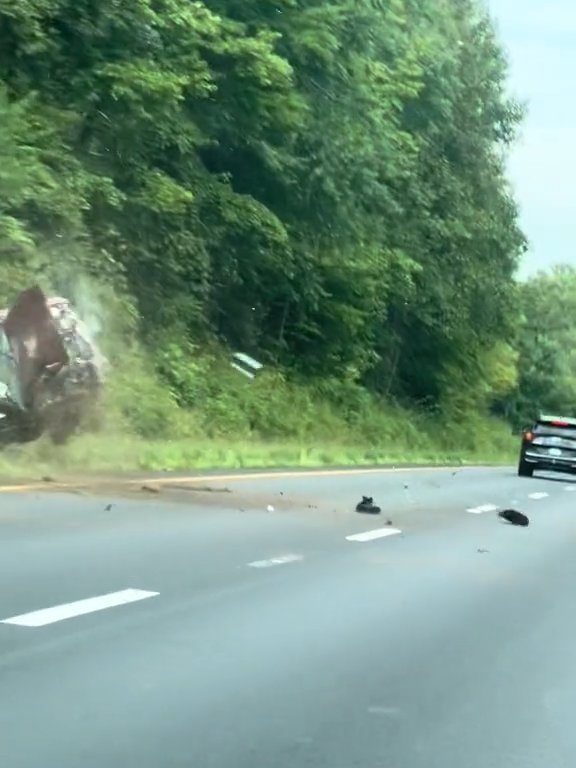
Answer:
(550, 443)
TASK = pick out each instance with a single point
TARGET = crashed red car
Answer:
(51, 372)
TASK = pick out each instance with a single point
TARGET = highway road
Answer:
(196, 629)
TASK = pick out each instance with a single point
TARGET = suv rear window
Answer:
(551, 429)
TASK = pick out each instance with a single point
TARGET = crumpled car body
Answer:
(51, 372)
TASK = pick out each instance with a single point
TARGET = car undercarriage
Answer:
(51, 371)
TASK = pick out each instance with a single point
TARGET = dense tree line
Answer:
(545, 343)
(319, 182)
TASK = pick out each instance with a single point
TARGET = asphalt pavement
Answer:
(258, 621)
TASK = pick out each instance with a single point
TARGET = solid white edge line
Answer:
(280, 560)
(378, 533)
(78, 608)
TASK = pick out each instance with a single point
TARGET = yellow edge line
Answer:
(292, 473)
(34, 487)
(236, 477)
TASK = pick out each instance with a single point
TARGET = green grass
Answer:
(209, 417)
(121, 453)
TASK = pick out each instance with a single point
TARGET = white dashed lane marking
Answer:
(79, 608)
(482, 509)
(281, 560)
(537, 496)
(570, 488)
(379, 533)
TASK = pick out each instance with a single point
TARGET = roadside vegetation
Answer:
(265, 424)
(319, 184)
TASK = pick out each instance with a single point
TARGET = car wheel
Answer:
(525, 469)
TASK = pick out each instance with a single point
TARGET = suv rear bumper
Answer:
(560, 463)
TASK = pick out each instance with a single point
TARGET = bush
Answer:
(184, 408)
(138, 402)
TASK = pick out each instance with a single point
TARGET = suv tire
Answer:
(525, 469)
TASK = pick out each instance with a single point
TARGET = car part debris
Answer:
(150, 488)
(51, 373)
(514, 517)
(196, 488)
(246, 364)
(269, 508)
(367, 506)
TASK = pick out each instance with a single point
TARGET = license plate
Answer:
(555, 452)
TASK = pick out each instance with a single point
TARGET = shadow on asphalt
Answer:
(556, 478)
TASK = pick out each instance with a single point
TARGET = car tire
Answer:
(525, 469)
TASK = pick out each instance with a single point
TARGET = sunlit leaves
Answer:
(319, 181)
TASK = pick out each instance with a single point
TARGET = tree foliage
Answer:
(317, 181)
(546, 344)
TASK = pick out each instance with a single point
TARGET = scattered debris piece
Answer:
(246, 364)
(151, 488)
(108, 507)
(269, 508)
(312, 506)
(367, 506)
(483, 551)
(406, 487)
(389, 522)
(48, 479)
(514, 517)
(197, 488)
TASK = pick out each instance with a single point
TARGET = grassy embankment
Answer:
(232, 423)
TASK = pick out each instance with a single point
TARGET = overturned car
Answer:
(51, 372)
